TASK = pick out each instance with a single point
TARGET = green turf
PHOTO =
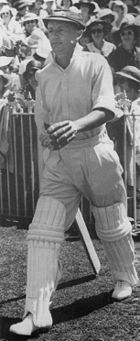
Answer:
(82, 307)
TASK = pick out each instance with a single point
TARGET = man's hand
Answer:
(61, 133)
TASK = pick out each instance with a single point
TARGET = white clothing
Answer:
(84, 81)
(106, 49)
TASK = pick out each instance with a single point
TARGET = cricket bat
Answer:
(88, 244)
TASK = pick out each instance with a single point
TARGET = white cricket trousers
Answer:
(91, 168)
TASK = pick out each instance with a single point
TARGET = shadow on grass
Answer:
(62, 285)
(81, 307)
(75, 310)
(5, 323)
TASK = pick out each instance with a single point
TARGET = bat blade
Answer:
(88, 244)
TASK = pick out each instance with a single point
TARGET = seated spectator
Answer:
(5, 63)
(97, 30)
(66, 4)
(33, 34)
(11, 26)
(120, 8)
(8, 66)
(29, 80)
(128, 98)
(50, 6)
(126, 52)
(4, 80)
(29, 22)
(107, 15)
(6, 43)
(23, 7)
(40, 12)
(37, 6)
(5, 124)
(3, 3)
(88, 10)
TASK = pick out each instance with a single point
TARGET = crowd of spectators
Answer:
(112, 28)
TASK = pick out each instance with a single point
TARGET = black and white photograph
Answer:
(70, 170)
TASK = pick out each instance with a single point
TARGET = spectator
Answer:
(66, 4)
(29, 77)
(128, 84)
(120, 8)
(109, 17)
(5, 63)
(126, 52)
(97, 30)
(40, 12)
(11, 27)
(50, 6)
(3, 3)
(4, 80)
(33, 34)
(88, 10)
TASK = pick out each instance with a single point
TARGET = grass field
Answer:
(82, 307)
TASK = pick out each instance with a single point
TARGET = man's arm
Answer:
(62, 133)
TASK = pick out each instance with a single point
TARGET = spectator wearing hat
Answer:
(97, 30)
(120, 8)
(5, 124)
(126, 52)
(3, 3)
(6, 43)
(74, 100)
(68, 4)
(11, 26)
(127, 82)
(37, 7)
(107, 15)
(88, 9)
(50, 6)
(28, 77)
(23, 7)
(29, 22)
(5, 63)
(4, 80)
(40, 12)
(33, 34)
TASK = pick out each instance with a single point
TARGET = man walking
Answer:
(75, 99)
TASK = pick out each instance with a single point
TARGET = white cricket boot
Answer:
(122, 290)
(26, 327)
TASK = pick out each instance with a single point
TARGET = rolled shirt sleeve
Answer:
(102, 91)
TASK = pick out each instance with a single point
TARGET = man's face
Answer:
(61, 35)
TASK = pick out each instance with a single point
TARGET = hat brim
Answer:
(79, 4)
(125, 75)
(64, 19)
(107, 26)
